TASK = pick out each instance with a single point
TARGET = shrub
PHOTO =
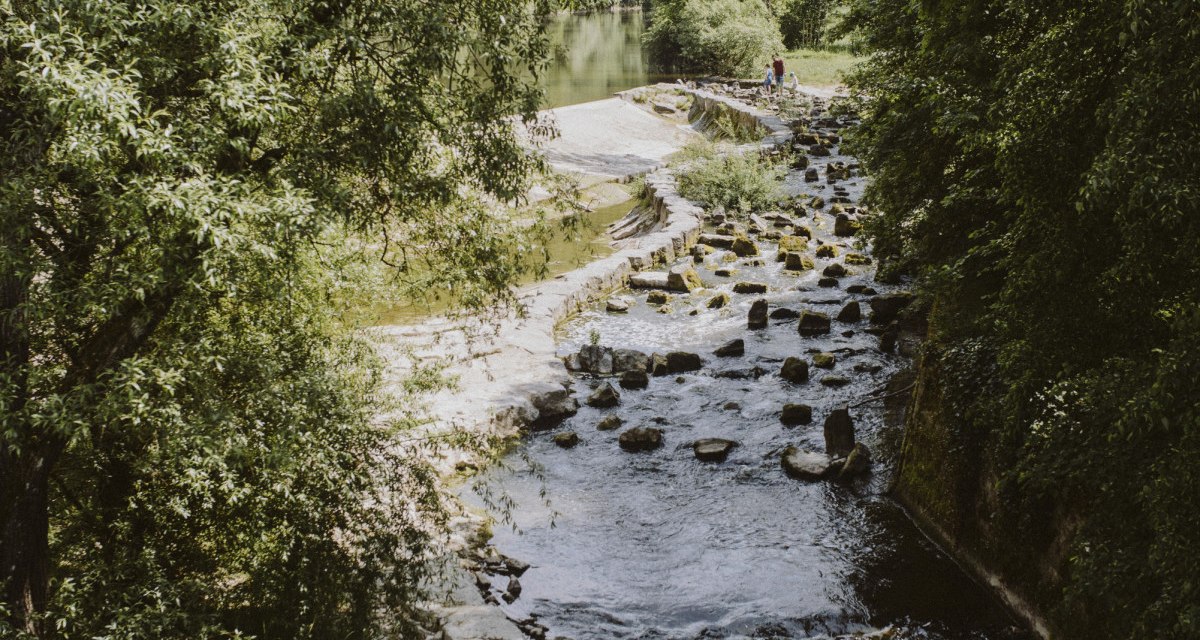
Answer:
(744, 182)
(724, 37)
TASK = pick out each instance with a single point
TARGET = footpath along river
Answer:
(659, 544)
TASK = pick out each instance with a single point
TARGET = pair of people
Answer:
(774, 75)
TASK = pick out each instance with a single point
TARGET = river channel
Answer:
(659, 544)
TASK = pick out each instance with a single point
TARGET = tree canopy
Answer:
(193, 194)
(1035, 166)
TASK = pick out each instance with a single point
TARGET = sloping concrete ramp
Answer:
(612, 139)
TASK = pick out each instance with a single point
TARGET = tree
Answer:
(803, 22)
(1035, 168)
(724, 37)
(188, 441)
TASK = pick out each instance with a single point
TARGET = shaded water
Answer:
(596, 55)
(661, 545)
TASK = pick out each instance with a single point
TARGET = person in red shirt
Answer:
(777, 66)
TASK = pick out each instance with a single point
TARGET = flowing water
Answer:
(661, 545)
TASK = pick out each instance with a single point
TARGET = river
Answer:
(661, 545)
(596, 55)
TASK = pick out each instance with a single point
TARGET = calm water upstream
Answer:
(597, 55)
(661, 545)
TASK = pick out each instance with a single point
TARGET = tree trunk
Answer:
(25, 543)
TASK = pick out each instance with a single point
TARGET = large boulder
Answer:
(659, 365)
(886, 307)
(856, 463)
(566, 439)
(731, 349)
(793, 414)
(683, 278)
(682, 361)
(640, 439)
(835, 270)
(713, 449)
(826, 251)
(556, 404)
(843, 226)
(813, 323)
(793, 243)
(794, 370)
(807, 465)
(839, 433)
(629, 360)
(635, 379)
(850, 313)
(795, 261)
(824, 360)
(744, 247)
(609, 422)
(718, 301)
(604, 396)
(757, 318)
(594, 358)
(749, 287)
(616, 305)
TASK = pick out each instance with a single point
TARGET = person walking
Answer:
(770, 75)
(777, 68)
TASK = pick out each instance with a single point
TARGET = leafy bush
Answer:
(720, 37)
(746, 182)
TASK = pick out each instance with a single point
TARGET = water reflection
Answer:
(597, 55)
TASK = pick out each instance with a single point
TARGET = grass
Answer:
(819, 67)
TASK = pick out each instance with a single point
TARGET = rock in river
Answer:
(635, 379)
(794, 370)
(629, 360)
(659, 365)
(749, 287)
(682, 361)
(850, 313)
(609, 422)
(796, 414)
(757, 318)
(604, 396)
(744, 247)
(857, 462)
(839, 433)
(566, 439)
(813, 323)
(824, 360)
(886, 307)
(596, 359)
(616, 305)
(718, 301)
(640, 439)
(730, 349)
(712, 449)
(683, 278)
(806, 465)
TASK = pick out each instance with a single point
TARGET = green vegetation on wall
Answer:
(195, 195)
(1035, 165)
(719, 37)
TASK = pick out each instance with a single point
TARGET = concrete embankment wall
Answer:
(949, 482)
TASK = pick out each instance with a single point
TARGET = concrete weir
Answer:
(509, 376)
